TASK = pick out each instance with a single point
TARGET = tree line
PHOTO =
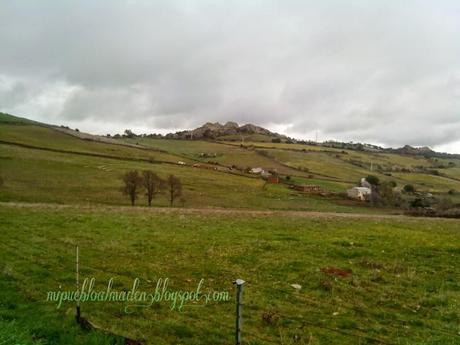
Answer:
(153, 185)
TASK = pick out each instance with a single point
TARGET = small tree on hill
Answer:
(153, 185)
(387, 194)
(174, 186)
(408, 188)
(132, 183)
(373, 180)
(129, 134)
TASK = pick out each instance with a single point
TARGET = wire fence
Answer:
(253, 327)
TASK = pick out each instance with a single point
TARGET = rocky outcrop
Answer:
(215, 130)
(410, 150)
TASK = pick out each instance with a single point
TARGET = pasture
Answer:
(402, 286)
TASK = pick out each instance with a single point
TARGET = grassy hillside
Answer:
(10, 119)
(349, 166)
(49, 138)
(403, 286)
(45, 164)
(42, 176)
(216, 152)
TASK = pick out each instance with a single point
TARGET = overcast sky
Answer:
(385, 72)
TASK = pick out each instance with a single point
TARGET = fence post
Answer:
(77, 316)
(239, 298)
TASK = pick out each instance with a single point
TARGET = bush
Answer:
(386, 194)
(420, 202)
(373, 180)
(451, 192)
(408, 188)
(276, 140)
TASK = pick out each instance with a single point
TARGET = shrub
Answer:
(420, 202)
(408, 188)
(387, 194)
(373, 180)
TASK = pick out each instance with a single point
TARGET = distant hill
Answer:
(422, 151)
(229, 131)
(7, 118)
(410, 150)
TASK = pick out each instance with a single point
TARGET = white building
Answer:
(359, 193)
(257, 170)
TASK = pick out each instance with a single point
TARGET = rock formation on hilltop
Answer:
(410, 150)
(215, 130)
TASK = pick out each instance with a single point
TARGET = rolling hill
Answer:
(45, 163)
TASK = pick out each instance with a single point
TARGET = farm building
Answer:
(257, 170)
(359, 193)
(273, 179)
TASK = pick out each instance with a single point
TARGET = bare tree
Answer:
(174, 188)
(132, 183)
(153, 184)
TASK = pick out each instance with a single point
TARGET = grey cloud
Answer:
(379, 71)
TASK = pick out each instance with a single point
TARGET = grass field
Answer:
(219, 152)
(40, 176)
(47, 138)
(403, 289)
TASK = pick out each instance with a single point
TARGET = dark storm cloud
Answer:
(377, 71)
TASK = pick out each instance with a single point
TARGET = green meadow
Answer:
(402, 285)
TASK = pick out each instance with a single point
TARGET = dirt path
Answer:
(214, 211)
